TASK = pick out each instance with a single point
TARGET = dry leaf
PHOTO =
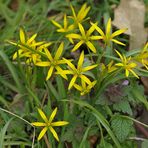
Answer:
(145, 83)
(131, 14)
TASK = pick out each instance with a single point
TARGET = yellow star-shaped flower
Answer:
(80, 17)
(85, 38)
(77, 72)
(110, 67)
(142, 57)
(85, 88)
(107, 37)
(65, 27)
(127, 64)
(53, 63)
(28, 48)
(48, 124)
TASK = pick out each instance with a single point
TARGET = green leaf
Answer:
(3, 132)
(12, 70)
(105, 145)
(99, 117)
(82, 144)
(53, 90)
(138, 93)
(144, 144)
(61, 88)
(121, 127)
(123, 106)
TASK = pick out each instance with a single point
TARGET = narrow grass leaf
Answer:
(3, 132)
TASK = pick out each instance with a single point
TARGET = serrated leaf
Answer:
(123, 106)
(121, 127)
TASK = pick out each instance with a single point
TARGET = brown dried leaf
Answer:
(130, 14)
(145, 83)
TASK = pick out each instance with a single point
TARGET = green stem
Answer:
(16, 116)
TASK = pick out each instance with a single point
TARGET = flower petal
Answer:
(89, 67)
(98, 29)
(50, 71)
(59, 51)
(81, 11)
(56, 24)
(134, 73)
(43, 64)
(65, 21)
(54, 133)
(59, 123)
(42, 115)
(53, 115)
(70, 64)
(126, 72)
(38, 124)
(118, 32)
(73, 11)
(78, 87)
(90, 31)
(84, 78)
(91, 46)
(108, 28)
(31, 39)
(95, 37)
(119, 64)
(59, 70)
(42, 133)
(77, 45)
(22, 36)
(81, 60)
(74, 36)
(82, 30)
(72, 82)
(119, 54)
(48, 54)
(118, 42)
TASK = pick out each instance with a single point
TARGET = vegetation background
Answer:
(20, 94)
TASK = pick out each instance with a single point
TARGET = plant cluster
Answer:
(84, 66)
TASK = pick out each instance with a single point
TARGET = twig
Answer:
(136, 138)
(46, 141)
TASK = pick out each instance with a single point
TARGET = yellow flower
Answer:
(78, 72)
(65, 27)
(142, 57)
(109, 68)
(48, 124)
(79, 18)
(53, 63)
(85, 38)
(85, 88)
(127, 64)
(107, 37)
(26, 44)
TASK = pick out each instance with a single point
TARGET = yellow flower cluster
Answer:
(78, 72)
(39, 54)
(29, 48)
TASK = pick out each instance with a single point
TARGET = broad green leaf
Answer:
(99, 117)
(123, 106)
(121, 127)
